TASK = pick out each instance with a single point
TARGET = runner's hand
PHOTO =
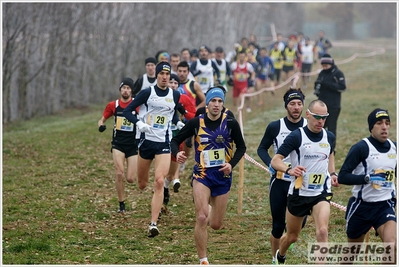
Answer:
(143, 127)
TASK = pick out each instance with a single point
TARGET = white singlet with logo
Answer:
(158, 113)
(282, 134)
(375, 162)
(205, 78)
(314, 156)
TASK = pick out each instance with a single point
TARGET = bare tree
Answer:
(67, 55)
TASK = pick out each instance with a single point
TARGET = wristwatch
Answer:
(367, 178)
(288, 169)
(334, 173)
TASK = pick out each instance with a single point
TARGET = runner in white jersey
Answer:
(204, 69)
(307, 61)
(370, 167)
(223, 66)
(274, 136)
(148, 78)
(157, 110)
(312, 171)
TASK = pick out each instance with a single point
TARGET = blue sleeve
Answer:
(270, 134)
(271, 64)
(130, 111)
(356, 155)
(331, 141)
(291, 143)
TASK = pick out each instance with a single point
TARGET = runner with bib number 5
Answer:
(214, 134)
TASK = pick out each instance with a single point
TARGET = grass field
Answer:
(59, 199)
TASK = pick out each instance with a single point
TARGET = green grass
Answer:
(59, 198)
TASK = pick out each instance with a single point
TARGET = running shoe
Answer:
(152, 230)
(166, 196)
(176, 185)
(121, 207)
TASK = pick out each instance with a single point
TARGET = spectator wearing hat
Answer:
(214, 134)
(328, 88)
(307, 61)
(148, 79)
(157, 111)
(370, 166)
(124, 145)
(223, 66)
(204, 69)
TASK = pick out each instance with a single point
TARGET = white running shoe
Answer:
(182, 167)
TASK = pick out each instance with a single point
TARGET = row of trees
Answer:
(66, 55)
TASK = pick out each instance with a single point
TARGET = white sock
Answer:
(166, 183)
(203, 259)
(176, 180)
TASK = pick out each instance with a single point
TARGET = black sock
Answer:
(280, 258)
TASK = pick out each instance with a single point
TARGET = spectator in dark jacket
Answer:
(328, 88)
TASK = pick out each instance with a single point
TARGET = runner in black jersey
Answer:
(274, 135)
(124, 145)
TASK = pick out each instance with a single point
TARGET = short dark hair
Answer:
(185, 49)
(175, 55)
(183, 64)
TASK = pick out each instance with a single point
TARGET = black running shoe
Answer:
(166, 196)
(121, 207)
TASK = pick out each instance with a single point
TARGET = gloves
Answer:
(179, 125)
(271, 170)
(102, 128)
(377, 178)
(143, 127)
(317, 86)
(181, 109)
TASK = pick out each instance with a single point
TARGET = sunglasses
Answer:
(317, 116)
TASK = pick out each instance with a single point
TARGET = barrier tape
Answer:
(247, 157)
